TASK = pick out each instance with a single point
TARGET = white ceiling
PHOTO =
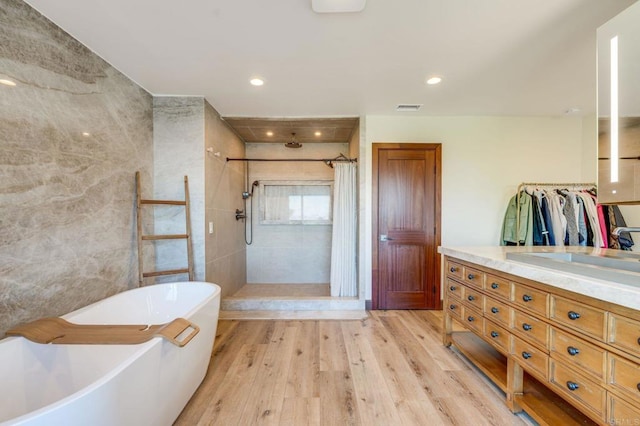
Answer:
(496, 57)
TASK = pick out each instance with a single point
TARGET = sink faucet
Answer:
(620, 229)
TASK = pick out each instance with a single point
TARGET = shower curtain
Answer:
(343, 243)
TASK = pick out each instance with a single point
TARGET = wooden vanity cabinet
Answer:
(562, 357)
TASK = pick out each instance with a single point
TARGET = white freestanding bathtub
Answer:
(143, 384)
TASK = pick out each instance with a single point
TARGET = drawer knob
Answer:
(494, 310)
(526, 355)
(471, 276)
(452, 307)
(526, 327)
(573, 315)
(527, 298)
(638, 386)
(471, 298)
(453, 269)
(572, 386)
(470, 318)
(452, 288)
(573, 351)
(494, 286)
(495, 334)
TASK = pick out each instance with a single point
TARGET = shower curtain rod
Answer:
(327, 161)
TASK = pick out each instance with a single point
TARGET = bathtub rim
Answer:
(118, 368)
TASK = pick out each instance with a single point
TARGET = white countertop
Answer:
(495, 257)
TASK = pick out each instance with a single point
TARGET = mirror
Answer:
(619, 108)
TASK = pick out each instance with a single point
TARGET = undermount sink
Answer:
(620, 267)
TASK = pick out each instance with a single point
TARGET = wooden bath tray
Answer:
(59, 331)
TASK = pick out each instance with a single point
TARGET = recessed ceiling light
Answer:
(318, 133)
(269, 133)
(434, 80)
(86, 134)
(256, 81)
(7, 82)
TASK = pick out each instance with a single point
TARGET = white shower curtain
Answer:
(343, 243)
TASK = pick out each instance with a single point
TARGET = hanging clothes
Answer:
(571, 211)
(591, 214)
(603, 226)
(624, 240)
(558, 220)
(562, 217)
(511, 235)
(546, 214)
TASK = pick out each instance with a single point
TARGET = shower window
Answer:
(295, 202)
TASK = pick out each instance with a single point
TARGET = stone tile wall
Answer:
(67, 211)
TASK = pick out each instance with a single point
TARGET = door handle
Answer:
(385, 238)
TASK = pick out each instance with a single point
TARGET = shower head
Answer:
(293, 143)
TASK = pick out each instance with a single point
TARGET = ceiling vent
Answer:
(408, 107)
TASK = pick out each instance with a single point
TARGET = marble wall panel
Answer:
(224, 183)
(73, 131)
(178, 138)
(290, 253)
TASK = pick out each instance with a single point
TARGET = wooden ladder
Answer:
(140, 202)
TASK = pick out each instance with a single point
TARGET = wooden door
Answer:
(406, 226)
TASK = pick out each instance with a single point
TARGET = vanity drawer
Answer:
(620, 412)
(472, 319)
(454, 269)
(454, 307)
(530, 328)
(531, 299)
(473, 277)
(498, 336)
(578, 388)
(497, 287)
(532, 359)
(497, 311)
(473, 298)
(575, 351)
(583, 318)
(624, 333)
(453, 288)
(624, 376)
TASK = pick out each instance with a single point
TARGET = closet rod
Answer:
(573, 184)
(557, 184)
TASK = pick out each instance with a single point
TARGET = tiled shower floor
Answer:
(284, 290)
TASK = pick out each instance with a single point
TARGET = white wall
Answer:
(483, 161)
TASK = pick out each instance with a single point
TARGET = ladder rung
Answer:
(165, 237)
(169, 202)
(169, 272)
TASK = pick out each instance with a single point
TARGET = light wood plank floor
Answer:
(390, 369)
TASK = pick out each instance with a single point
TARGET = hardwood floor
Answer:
(390, 369)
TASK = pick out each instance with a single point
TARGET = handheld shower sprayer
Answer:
(247, 194)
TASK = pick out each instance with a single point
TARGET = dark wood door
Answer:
(406, 265)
